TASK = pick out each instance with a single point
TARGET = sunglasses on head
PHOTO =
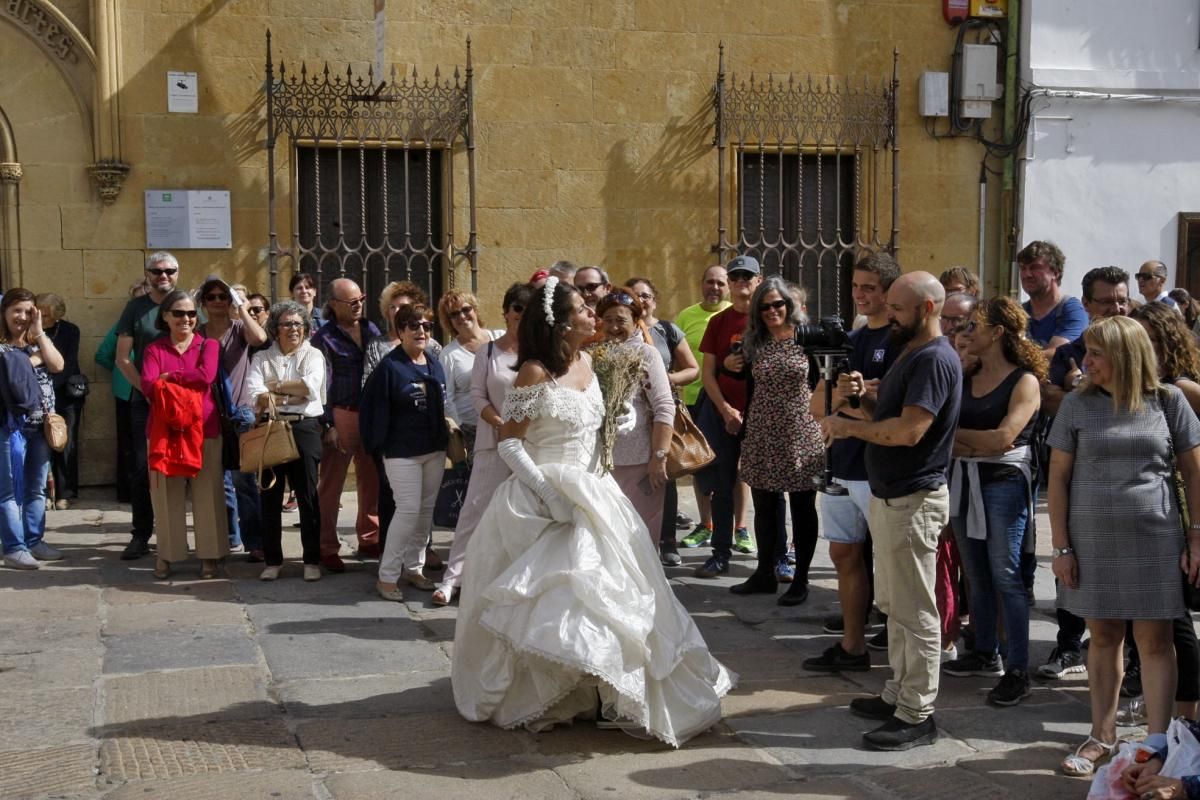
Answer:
(179, 313)
(217, 297)
(774, 305)
(160, 272)
(420, 326)
(623, 298)
(589, 287)
(460, 311)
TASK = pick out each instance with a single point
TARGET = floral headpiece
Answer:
(548, 298)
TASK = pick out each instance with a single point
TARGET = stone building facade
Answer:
(593, 134)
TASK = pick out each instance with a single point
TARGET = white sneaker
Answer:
(312, 572)
(950, 653)
(269, 573)
(21, 559)
(44, 552)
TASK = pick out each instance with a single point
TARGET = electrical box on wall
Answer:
(993, 9)
(933, 94)
(977, 86)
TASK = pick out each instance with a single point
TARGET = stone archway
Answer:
(10, 185)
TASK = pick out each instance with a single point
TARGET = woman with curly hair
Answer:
(991, 491)
(458, 311)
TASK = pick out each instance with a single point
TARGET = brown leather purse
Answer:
(689, 451)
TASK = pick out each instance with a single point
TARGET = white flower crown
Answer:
(548, 298)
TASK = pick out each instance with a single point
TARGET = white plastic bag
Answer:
(1183, 751)
(1106, 782)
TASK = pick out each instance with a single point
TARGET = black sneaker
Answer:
(1131, 684)
(1061, 663)
(973, 663)
(896, 734)
(136, 548)
(872, 707)
(878, 641)
(756, 584)
(835, 659)
(1012, 689)
(834, 625)
(716, 565)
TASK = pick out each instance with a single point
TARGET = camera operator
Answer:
(845, 515)
(909, 440)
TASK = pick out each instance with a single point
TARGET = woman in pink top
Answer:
(183, 356)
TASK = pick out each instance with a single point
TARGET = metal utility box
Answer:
(977, 87)
(933, 93)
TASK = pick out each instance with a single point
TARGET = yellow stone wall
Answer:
(594, 133)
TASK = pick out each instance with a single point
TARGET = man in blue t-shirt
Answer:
(1054, 318)
(844, 517)
(909, 440)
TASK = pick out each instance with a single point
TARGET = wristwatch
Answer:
(660, 454)
(1062, 551)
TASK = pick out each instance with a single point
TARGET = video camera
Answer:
(828, 341)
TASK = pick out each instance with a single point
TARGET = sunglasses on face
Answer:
(158, 273)
(775, 305)
(256, 310)
(358, 301)
(1145, 276)
(740, 277)
(589, 287)
(291, 325)
(180, 313)
(420, 326)
(461, 311)
(216, 298)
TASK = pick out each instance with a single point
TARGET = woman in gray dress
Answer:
(1115, 524)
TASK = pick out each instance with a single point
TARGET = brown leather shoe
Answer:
(333, 563)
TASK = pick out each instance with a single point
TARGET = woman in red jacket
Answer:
(178, 370)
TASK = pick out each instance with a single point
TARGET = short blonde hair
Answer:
(1128, 349)
(394, 290)
(460, 298)
(56, 303)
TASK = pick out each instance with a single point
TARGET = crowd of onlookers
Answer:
(966, 408)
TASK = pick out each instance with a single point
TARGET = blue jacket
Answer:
(402, 413)
(19, 389)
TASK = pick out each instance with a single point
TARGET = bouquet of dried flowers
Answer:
(618, 367)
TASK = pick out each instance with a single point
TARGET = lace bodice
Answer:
(564, 424)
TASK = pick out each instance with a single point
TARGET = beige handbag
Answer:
(55, 429)
(689, 451)
(268, 444)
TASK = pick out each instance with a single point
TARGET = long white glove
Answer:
(513, 454)
(627, 421)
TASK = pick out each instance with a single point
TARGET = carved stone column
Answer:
(110, 170)
(10, 245)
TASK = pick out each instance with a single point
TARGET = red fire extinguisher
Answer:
(956, 11)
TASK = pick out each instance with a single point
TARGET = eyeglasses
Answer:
(291, 325)
(216, 298)
(256, 310)
(517, 307)
(740, 277)
(774, 305)
(158, 273)
(178, 313)
(645, 296)
(358, 301)
(461, 311)
(420, 326)
(1145, 276)
(588, 287)
(955, 322)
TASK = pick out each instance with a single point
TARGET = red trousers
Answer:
(335, 463)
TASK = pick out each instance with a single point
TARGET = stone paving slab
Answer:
(125, 619)
(421, 740)
(493, 780)
(369, 696)
(752, 698)
(355, 651)
(296, 784)
(160, 592)
(201, 695)
(1033, 775)
(46, 634)
(137, 751)
(708, 764)
(67, 771)
(54, 603)
(829, 740)
(993, 730)
(24, 666)
(196, 646)
(945, 782)
(43, 716)
(61, 574)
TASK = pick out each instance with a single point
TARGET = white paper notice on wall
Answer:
(188, 219)
(182, 97)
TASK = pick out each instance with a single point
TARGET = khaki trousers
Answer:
(168, 496)
(905, 532)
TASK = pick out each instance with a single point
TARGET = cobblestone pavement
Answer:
(115, 685)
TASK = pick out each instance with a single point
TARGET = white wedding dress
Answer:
(559, 618)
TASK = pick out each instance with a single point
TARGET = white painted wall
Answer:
(1106, 179)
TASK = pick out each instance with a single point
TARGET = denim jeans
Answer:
(231, 509)
(720, 478)
(993, 568)
(37, 470)
(249, 508)
(12, 530)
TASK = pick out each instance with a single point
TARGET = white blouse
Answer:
(305, 363)
(457, 362)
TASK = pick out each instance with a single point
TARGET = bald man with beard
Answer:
(909, 440)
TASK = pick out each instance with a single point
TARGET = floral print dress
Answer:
(782, 450)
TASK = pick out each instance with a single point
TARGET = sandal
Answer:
(444, 596)
(1080, 766)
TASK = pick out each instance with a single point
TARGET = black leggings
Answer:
(1187, 658)
(302, 476)
(771, 532)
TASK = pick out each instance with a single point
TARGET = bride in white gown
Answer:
(565, 609)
